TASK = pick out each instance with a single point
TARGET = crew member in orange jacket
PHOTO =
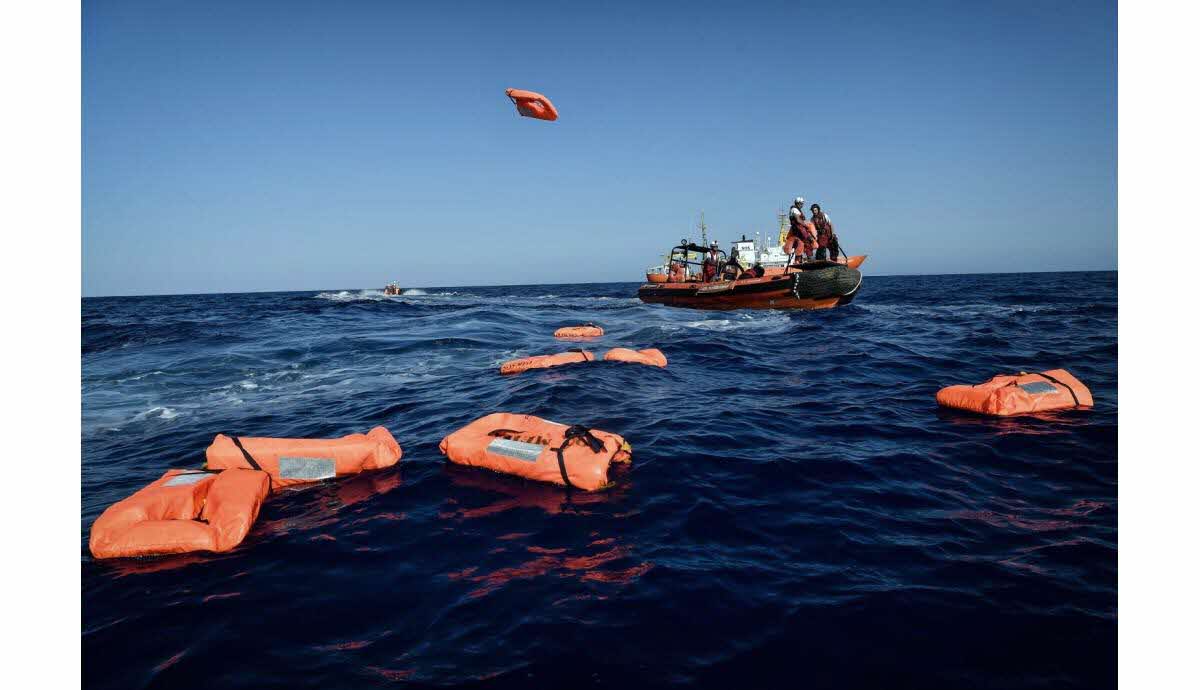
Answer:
(802, 236)
(709, 266)
(827, 241)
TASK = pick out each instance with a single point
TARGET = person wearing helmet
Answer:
(802, 237)
(827, 242)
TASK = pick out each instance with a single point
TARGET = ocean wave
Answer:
(348, 296)
(783, 463)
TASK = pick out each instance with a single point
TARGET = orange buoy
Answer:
(589, 330)
(526, 446)
(1025, 393)
(298, 460)
(181, 511)
(651, 357)
(516, 366)
(531, 104)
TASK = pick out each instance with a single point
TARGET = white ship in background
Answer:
(760, 250)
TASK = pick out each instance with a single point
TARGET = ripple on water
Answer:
(796, 498)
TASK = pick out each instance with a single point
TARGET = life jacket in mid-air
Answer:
(531, 104)
(1005, 395)
(533, 448)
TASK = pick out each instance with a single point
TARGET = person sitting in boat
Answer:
(677, 273)
(827, 242)
(733, 269)
(802, 235)
(709, 265)
(755, 271)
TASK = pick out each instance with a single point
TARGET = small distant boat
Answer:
(393, 289)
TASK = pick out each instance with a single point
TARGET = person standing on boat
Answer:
(709, 267)
(827, 242)
(802, 236)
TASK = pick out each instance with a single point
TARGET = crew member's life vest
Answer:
(1025, 393)
(824, 230)
(537, 449)
(800, 227)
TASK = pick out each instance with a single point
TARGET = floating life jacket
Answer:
(651, 357)
(537, 449)
(1026, 393)
(298, 460)
(589, 330)
(531, 104)
(516, 366)
(182, 511)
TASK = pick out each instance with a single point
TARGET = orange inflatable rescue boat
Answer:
(537, 449)
(297, 460)
(589, 330)
(1024, 393)
(531, 104)
(516, 366)
(650, 357)
(182, 511)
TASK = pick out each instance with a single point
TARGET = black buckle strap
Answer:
(1051, 379)
(583, 353)
(1069, 389)
(250, 459)
(581, 433)
(245, 453)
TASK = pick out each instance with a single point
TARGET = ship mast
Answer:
(703, 231)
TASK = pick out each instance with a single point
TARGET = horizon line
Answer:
(594, 282)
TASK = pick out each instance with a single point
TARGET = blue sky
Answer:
(232, 146)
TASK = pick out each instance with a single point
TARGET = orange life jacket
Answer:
(537, 449)
(651, 357)
(298, 460)
(532, 104)
(590, 330)
(1025, 393)
(516, 366)
(181, 511)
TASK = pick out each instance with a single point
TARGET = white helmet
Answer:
(799, 201)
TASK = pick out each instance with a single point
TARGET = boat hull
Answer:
(817, 287)
(852, 262)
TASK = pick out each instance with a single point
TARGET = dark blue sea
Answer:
(798, 514)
